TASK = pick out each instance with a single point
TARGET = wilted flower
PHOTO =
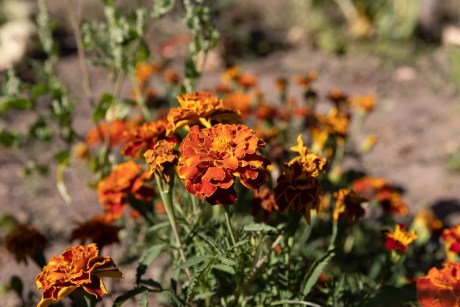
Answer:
(141, 138)
(78, 266)
(212, 158)
(451, 238)
(96, 230)
(348, 206)
(440, 287)
(238, 102)
(114, 189)
(199, 108)
(399, 239)
(162, 158)
(298, 187)
(25, 241)
(114, 131)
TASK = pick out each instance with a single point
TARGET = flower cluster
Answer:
(348, 206)
(113, 191)
(211, 158)
(77, 267)
(440, 287)
(298, 186)
(144, 137)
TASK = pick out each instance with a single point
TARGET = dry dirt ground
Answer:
(416, 121)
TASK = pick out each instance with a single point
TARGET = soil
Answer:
(416, 122)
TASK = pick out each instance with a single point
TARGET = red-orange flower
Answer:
(114, 131)
(145, 71)
(199, 108)
(399, 239)
(78, 266)
(212, 158)
(96, 230)
(247, 81)
(264, 202)
(113, 190)
(348, 206)
(305, 81)
(451, 238)
(141, 138)
(338, 98)
(171, 76)
(25, 241)
(298, 187)
(162, 158)
(364, 103)
(440, 287)
(239, 102)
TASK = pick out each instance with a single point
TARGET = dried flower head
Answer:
(25, 241)
(348, 206)
(162, 158)
(212, 158)
(399, 239)
(78, 266)
(95, 230)
(440, 287)
(298, 187)
(199, 108)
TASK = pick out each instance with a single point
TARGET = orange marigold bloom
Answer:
(231, 74)
(239, 102)
(348, 206)
(265, 111)
(96, 230)
(141, 138)
(440, 287)
(145, 70)
(171, 76)
(113, 130)
(199, 108)
(113, 190)
(264, 202)
(305, 81)
(25, 241)
(364, 103)
(78, 266)
(281, 84)
(451, 238)
(399, 239)
(162, 158)
(247, 81)
(338, 98)
(298, 186)
(212, 158)
(335, 122)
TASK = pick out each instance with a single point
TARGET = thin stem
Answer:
(229, 224)
(166, 197)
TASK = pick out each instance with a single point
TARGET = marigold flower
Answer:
(265, 111)
(145, 71)
(78, 266)
(25, 241)
(305, 81)
(247, 81)
(113, 190)
(338, 98)
(281, 84)
(222, 88)
(264, 202)
(451, 238)
(162, 158)
(231, 74)
(348, 206)
(171, 76)
(238, 102)
(141, 138)
(335, 122)
(199, 108)
(298, 187)
(113, 130)
(364, 103)
(399, 239)
(96, 230)
(440, 287)
(212, 158)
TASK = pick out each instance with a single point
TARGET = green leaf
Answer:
(161, 7)
(316, 269)
(40, 130)
(144, 302)
(192, 261)
(226, 261)
(16, 285)
(172, 298)
(102, 106)
(15, 103)
(259, 227)
(10, 138)
(156, 227)
(225, 268)
(62, 156)
(127, 295)
(393, 296)
(147, 258)
(203, 295)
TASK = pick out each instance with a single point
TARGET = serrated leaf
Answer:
(158, 226)
(144, 302)
(227, 261)
(259, 227)
(193, 261)
(316, 269)
(225, 268)
(172, 298)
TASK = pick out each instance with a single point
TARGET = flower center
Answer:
(220, 144)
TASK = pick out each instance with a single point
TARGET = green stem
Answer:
(166, 196)
(229, 224)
